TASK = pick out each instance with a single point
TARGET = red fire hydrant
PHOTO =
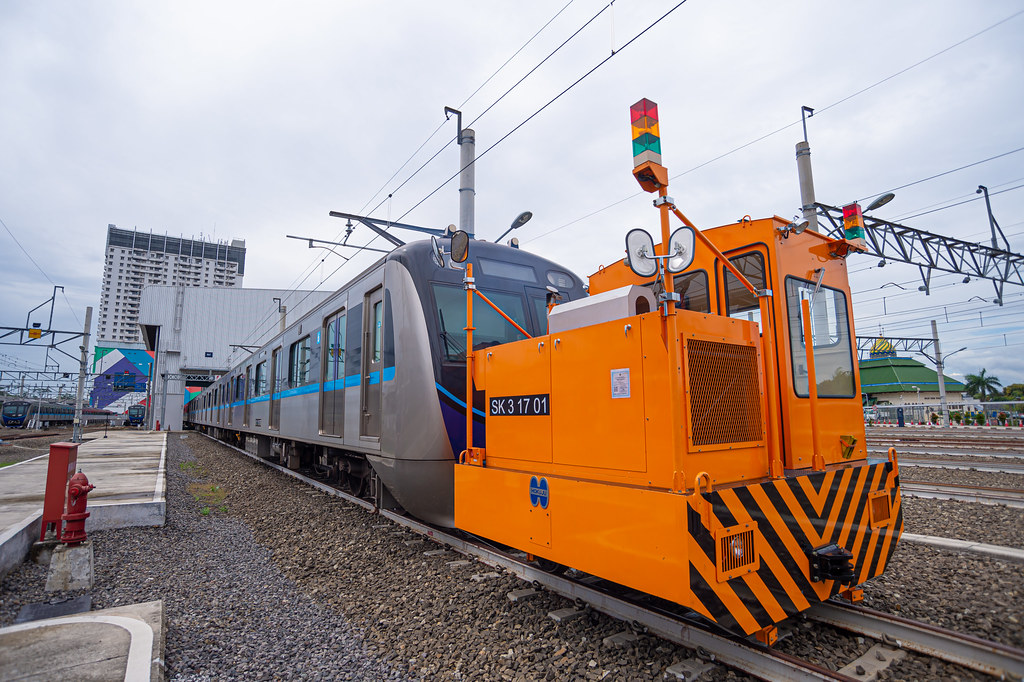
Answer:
(74, 521)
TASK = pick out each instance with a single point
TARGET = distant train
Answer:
(18, 414)
(135, 415)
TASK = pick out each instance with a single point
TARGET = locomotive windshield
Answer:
(489, 327)
(15, 409)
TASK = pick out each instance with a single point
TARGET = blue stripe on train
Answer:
(350, 381)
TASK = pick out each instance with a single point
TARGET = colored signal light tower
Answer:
(647, 166)
(853, 224)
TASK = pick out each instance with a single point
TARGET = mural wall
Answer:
(121, 378)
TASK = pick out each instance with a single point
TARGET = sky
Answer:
(252, 120)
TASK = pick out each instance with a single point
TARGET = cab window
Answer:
(692, 288)
(833, 347)
(740, 302)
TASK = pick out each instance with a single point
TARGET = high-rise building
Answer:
(135, 259)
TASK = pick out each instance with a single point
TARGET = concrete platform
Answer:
(123, 643)
(128, 470)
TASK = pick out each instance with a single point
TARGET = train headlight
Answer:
(736, 545)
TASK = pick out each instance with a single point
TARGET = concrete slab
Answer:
(565, 615)
(128, 470)
(619, 640)
(54, 609)
(520, 595)
(875, 660)
(123, 643)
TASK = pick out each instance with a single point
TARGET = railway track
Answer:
(694, 633)
(948, 438)
(1011, 497)
(961, 465)
(6, 436)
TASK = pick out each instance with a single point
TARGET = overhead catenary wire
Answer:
(308, 271)
(782, 128)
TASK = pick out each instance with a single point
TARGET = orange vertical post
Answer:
(817, 460)
(671, 331)
(473, 456)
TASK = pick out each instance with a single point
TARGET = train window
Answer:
(739, 301)
(692, 288)
(378, 330)
(260, 385)
(830, 329)
(298, 362)
(239, 387)
(497, 268)
(334, 340)
(489, 327)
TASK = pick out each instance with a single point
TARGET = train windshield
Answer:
(489, 327)
(17, 410)
(136, 411)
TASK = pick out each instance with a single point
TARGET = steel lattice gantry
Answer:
(930, 251)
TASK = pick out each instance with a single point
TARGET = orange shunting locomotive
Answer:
(694, 428)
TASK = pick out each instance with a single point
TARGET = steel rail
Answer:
(961, 465)
(948, 491)
(914, 450)
(735, 652)
(969, 651)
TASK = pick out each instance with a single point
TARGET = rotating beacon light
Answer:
(647, 166)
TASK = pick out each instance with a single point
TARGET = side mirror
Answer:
(460, 246)
(436, 252)
(640, 253)
(680, 250)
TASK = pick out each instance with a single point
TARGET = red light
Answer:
(643, 108)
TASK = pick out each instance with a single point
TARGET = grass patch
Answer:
(209, 496)
(5, 464)
(185, 466)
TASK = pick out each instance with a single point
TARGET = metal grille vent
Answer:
(725, 395)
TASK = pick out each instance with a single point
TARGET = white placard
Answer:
(620, 383)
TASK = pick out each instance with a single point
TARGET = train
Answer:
(370, 385)
(135, 415)
(687, 424)
(18, 414)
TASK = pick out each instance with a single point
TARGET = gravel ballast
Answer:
(265, 578)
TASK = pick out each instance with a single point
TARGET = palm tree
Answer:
(979, 385)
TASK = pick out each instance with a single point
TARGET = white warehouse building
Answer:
(203, 332)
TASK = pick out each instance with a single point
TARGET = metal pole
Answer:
(941, 379)
(163, 396)
(467, 181)
(76, 436)
(803, 167)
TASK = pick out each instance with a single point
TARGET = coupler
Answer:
(74, 520)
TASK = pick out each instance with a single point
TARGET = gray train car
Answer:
(368, 390)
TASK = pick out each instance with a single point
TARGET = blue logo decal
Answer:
(539, 492)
